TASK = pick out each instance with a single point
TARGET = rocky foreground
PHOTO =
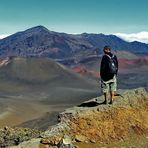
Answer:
(93, 124)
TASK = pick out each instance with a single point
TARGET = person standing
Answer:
(108, 73)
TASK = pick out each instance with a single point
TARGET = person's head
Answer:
(107, 49)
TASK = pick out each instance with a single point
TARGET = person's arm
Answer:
(116, 60)
(102, 65)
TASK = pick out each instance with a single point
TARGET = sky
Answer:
(125, 18)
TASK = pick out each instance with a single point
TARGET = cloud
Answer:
(3, 35)
(141, 36)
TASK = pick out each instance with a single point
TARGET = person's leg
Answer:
(105, 90)
(105, 98)
(112, 94)
(113, 88)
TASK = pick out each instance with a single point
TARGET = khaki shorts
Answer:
(107, 87)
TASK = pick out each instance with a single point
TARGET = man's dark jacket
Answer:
(104, 67)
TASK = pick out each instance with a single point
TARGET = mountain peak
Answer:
(37, 29)
(40, 42)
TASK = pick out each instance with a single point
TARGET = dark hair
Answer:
(107, 47)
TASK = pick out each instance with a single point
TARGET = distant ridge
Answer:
(40, 42)
(43, 78)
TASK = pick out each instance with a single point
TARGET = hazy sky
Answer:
(75, 16)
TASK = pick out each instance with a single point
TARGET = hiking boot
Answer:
(105, 102)
(111, 102)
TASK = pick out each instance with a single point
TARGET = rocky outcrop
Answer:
(93, 123)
